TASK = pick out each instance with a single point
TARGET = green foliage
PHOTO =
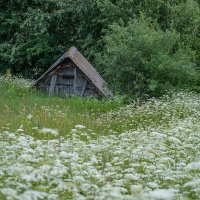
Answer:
(142, 59)
(30, 43)
(33, 34)
(185, 19)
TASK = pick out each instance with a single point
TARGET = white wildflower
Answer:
(153, 185)
(194, 184)
(29, 116)
(163, 194)
(49, 130)
(73, 130)
(20, 129)
(136, 188)
(63, 154)
(193, 166)
(79, 126)
(33, 195)
(9, 193)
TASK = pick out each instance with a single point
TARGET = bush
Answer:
(141, 59)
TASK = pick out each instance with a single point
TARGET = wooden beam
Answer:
(74, 83)
(83, 90)
(52, 86)
(66, 73)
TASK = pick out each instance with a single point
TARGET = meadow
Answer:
(53, 148)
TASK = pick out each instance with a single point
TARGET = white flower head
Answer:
(49, 130)
(29, 116)
(20, 129)
(79, 126)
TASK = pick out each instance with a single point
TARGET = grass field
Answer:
(53, 148)
(36, 110)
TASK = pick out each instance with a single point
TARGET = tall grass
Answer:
(21, 105)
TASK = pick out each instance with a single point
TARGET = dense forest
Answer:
(140, 47)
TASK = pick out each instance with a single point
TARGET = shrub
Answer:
(141, 59)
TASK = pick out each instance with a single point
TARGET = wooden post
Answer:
(83, 90)
(74, 83)
(52, 86)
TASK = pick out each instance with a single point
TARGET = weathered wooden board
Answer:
(83, 90)
(74, 82)
(53, 83)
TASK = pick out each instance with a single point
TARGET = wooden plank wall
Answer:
(69, 80)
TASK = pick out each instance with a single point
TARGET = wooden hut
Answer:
(72, 74)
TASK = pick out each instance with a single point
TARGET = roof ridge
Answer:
(71, 52)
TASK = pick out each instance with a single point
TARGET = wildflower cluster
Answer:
(158, 157)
